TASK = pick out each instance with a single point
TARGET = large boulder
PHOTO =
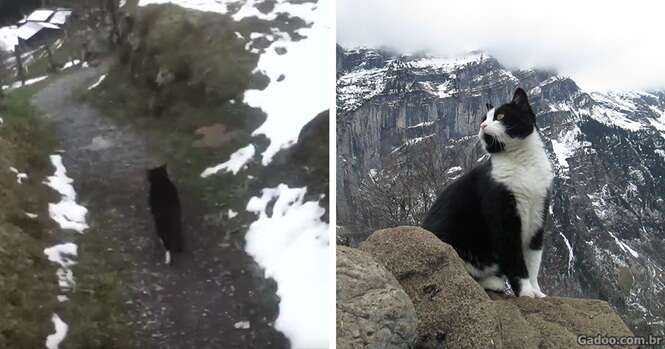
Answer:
(373, 311)
(455, 312)
(209, 66)
(452, 308)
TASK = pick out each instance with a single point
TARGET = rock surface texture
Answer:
(373, 311)
(455, 312)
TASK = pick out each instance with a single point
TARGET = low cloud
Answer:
(600, 44)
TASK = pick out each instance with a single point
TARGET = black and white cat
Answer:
(165, 208)
(494, 215)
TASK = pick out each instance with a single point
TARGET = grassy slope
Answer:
(96, 311)
(27, 280)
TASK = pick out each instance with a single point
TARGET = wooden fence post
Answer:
(19, 64)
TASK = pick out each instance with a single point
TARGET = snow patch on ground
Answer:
(20, 176)
(306, 89)
(218, 6)
(236, 163)
(53, 340)
(68, 213)
(63, 254)
(292, 246)
(99, 81)
(17, 84)
(70, 64)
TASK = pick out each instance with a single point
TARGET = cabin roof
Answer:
(40, 15)
(29, 29)
(42, 19)
(60, 16)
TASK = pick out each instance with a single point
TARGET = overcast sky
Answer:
(600, 44)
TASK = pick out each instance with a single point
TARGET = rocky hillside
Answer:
(407, 126)
(427, 300)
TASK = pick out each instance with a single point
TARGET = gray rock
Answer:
(455, 312)
(346, 236)
(342, 236)
(373, 311)
(452, 308)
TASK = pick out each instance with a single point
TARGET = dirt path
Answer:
(192, 304)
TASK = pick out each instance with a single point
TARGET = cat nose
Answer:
(483, 125)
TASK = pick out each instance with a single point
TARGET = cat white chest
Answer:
(528, 175)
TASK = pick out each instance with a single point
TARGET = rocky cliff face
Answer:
(406, 127)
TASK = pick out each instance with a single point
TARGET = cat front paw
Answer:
(539, 293)
(527, 290)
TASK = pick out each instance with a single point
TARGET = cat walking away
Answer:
(165, 208)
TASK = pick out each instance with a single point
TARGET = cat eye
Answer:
(499, 117)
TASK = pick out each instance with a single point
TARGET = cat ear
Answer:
(489, 106)
(520, 99)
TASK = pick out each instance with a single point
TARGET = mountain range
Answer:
(407, 125)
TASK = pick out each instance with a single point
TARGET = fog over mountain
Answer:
(602, 45)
